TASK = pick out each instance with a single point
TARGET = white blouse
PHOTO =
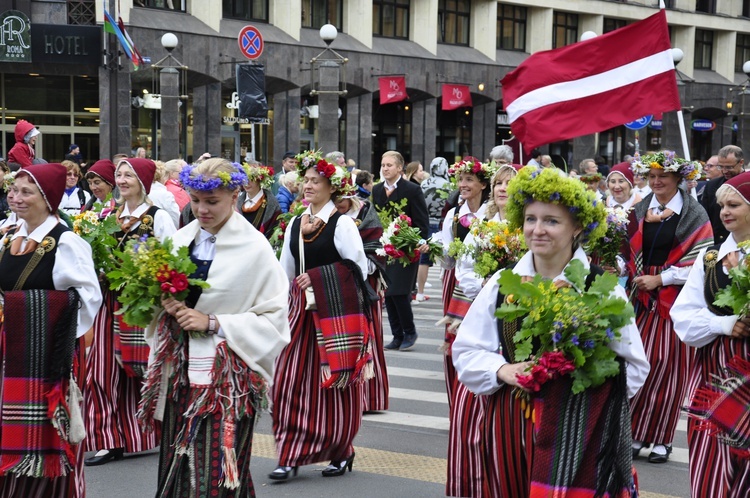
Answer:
(694, 323)
(469, 282)
(163, 226)
(476, 351)
(346, 239)
(73, 268)
(446, 234)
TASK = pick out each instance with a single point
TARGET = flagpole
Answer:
(683, 135)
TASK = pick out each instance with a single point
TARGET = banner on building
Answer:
(251, 89)
(392, 89)
(455, 96)
(15, 37)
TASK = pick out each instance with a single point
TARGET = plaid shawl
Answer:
(722, 407)
(131, 348)
(343, 325)
(370, 229)
(693, 234)
(583, 441)
(39, 337)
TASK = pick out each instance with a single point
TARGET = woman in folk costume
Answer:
(722, 342)
(118, 356)
(51, 295)
(317, 394)
(101, 180)
(465, 410)
(213, 354)
(620, 181)
(671, 229)
(370, 229)
(256, 203)
(557, 214)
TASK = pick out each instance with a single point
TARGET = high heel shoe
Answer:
(281, 473)
(337, 468)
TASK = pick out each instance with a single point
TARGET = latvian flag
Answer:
(592, 85)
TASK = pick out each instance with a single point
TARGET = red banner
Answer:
(455, 96)
(392, 89)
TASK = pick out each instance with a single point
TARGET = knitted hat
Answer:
(104, 169)
(50, 178)
(624, 169)
(72, 147)
(144, 169)
(741, 185)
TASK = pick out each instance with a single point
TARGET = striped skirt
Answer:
(656, 407)
(198, 473)
(507, 444)
(111, 397)
(451, 379)
(310, 424)
(375, 391)
(714, 470)
(465, 443)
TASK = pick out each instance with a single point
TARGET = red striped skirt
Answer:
(465, 443)
(714, 470)
(376, 389)
(111, 397)
(310, 424)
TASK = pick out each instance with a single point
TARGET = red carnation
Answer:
(165, 287)
(180, 282)
(527, 382)
(270, 170)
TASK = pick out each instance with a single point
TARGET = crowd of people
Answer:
(304, 332)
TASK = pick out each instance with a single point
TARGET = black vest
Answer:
(140, 230)
(319, 252)
(201, 272)
(715, 280)
(658, 241)
(11, 266)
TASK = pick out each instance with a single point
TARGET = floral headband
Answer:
(550, 186)
(473, 166)
(258, 173)
(8, 180)
(668, 161)
(339, 177)
(231, 181)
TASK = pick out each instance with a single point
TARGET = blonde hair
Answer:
(71, 166)
(120, 200)
(411, 169)
(499, 177)
(395, 155)
(160, 175)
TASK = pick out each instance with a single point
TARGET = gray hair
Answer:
(502, 153)
(174, 165)
(289, 178)
(731, 149)
(333, 157)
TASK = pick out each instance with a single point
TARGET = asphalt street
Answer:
(399, 453)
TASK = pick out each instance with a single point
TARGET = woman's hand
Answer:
(171, 305)
(303, 280)
(741, 328)
(508, 373)
(647, 282)
(192, 320)
(424, 248)
(731, 260)
(611, 269)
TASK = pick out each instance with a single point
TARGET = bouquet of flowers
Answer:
(494, 246)
(277, 235)
(400, 241)
(149, 270)
(737, 295)
(566, 329)
(97, 227)
(607, 248)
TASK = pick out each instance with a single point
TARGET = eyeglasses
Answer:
(728, 168)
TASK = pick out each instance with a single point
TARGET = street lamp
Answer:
(741, 116)
(172, 88)
(328, 83)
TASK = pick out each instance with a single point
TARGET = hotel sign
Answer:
(15, 37)
(65, 44)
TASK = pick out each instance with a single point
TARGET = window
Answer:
(81, 12)
(511, 27)
(390, 18)
(316, 13)
(453, 21)
(564, 29)
(707, 6)
(745, 8)
(742, 54)
(161, 4)
(613, 24)
(246, 10)
(704, 47)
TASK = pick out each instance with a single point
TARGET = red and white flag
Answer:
(593, 85)
(455, 96)
(392, 89)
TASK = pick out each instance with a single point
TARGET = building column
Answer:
(417, 133)
(364, 157)
(114, 108)
(328, 107)
(207, 119)
(430, 129)
(490, 128)
(477, 132)
(353, 124)
(286, 117)
(169, 83)
(583, 148)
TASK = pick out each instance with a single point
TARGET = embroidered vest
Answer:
(715, 280)
(13, 268)
(146, 227)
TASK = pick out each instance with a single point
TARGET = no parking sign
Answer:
(251, 42)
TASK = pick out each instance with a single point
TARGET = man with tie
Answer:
(731, 163)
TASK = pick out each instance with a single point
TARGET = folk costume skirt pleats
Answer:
(198, 473)
(310, 424)
(376, 389)
(714, 469)
(656, 407)
(111, 397)
(507, 445)
(451, 378)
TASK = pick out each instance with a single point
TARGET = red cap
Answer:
(624, 169)
(144, 169)
(741, 185)
(50, 178)
(104, 169)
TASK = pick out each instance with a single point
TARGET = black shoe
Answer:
(637, 447)
(282, 473)
(656, 457)
(337, 468)
(394, 344)
(115, 454)
(409, 342)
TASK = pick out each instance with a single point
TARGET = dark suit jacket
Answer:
(401, 279)
(708, 201)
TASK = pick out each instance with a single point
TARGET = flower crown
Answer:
(258, 173)
(231, 181)
(339, 177)
(473, 166)
(668, 161)
(591, 177)
(550, 186)
(8, 180)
